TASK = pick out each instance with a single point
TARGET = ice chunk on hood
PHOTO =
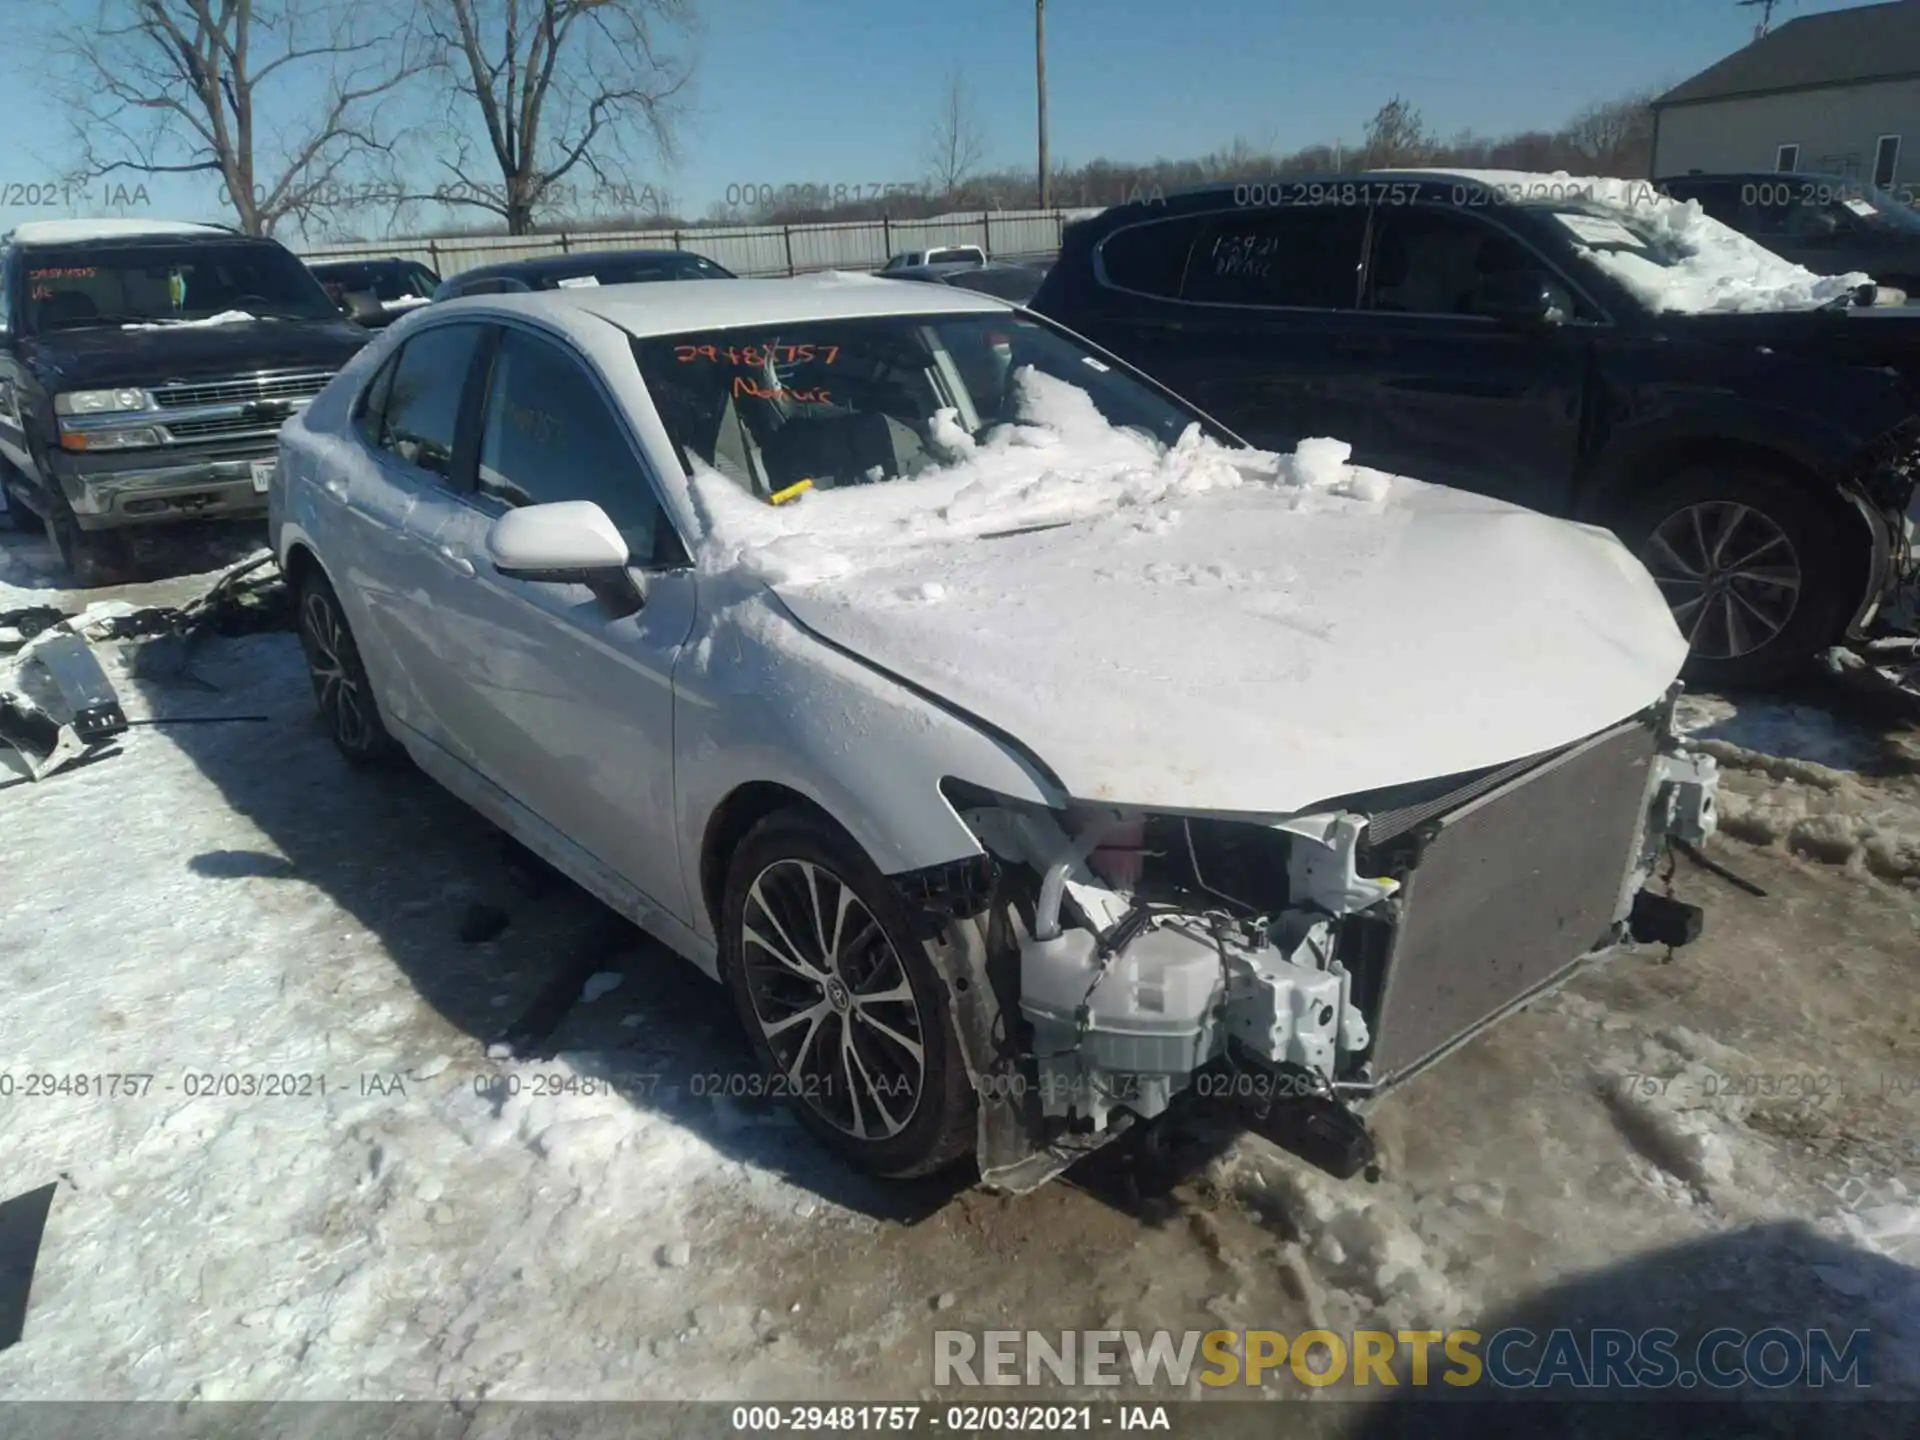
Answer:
(1715, 268)
(225, 317)
(1060, 462)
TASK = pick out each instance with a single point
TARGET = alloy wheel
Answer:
(1730, 574)
(334, 685)
(831, 995)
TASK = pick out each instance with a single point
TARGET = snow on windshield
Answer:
(1682, 261)
(1062, 462)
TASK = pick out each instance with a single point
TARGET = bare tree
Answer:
(283, 101)
(955, 147)
(561, 88)
(1396, 135)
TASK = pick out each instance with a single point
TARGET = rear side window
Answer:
(1303, 258)
(1150, 258)
(549, 434)
(423, 405)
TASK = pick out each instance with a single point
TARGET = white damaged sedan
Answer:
(1019, 748)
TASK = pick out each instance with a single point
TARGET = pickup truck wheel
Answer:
(93, 558)
(846, 1012)
(1752, 567)
(340, 685)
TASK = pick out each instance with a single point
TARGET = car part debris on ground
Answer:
(57, 705)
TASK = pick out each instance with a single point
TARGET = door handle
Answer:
(1360, 347)
(335, 486)
(461, 565)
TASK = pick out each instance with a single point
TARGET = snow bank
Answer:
(1712, 267)
(1061, 462)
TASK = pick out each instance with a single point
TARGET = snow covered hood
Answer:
(1215, 629)
(1719, 270)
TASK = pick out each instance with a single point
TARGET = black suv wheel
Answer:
(1750, 564)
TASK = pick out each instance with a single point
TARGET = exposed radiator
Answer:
(1516, 884)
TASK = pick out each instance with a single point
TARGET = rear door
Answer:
(1246, 312)
(391, 510)
(1456, 397)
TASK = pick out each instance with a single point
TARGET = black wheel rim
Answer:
(1730, 574)
(341, 698)
(832, 999)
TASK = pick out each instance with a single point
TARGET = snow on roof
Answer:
(668, 307)
(59, 232)
(1702, 266)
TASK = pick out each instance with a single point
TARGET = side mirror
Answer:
(569, 542)
(361, 306)
(1529, 298)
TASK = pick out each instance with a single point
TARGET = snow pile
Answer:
(225, 317)
(1061, 462)
(1706, 266)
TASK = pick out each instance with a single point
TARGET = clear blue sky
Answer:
(831, 92)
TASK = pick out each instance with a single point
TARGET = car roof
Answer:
(1789, 177)
(70, 232)
(573, 260)
(670, 307)
(342, 264)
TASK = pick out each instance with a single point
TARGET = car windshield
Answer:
(953, 257)
(1609, 230)
(1874, 209)
(849, 402)
(153, 283)
(636, 271)
(386, 282)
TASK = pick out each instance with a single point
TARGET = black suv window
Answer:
(148, 281)
(1150, 258)
(550, 435)
(1307, 258)
(423, 404)
(1432, 262)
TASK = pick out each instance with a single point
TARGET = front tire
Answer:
(93, 558)
(848, 1016)
(1752, 566)
(340, 685)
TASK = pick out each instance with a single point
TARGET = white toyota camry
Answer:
(1018, 747)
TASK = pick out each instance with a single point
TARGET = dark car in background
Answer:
(1830, 224)
(145, 370)
(1761, 463)
(587, 267)
(376, 292)
(1005, 282)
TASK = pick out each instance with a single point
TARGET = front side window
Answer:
(422, 406)
(1434, 262)
(852, 402)
(157, 283)
(548, 434)
(1300, 258)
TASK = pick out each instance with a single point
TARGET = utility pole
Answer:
(1040, 76)
(1765, 8)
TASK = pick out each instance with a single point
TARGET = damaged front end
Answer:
(1104, 960)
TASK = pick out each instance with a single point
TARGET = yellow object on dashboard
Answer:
(792, 492)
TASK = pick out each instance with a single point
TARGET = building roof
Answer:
(671, 307)
(1836, 47)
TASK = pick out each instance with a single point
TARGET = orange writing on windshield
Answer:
(758, 354)
(742, 385)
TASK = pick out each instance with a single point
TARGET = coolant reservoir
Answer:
(1149, 1013)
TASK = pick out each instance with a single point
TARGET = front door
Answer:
(567, 696)
(1456, 397)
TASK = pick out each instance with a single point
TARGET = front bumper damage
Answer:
(1104, 962)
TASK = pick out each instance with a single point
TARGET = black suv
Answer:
(1761, 463)
(145, 369)
(586, 267)
(1829, 224)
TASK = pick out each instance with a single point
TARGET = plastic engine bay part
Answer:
(64, 705)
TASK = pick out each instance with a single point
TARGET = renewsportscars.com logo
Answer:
(1512, 1359)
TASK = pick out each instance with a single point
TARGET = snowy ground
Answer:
(1729, 1138)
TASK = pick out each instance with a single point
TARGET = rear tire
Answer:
(340, 685)
(1753, 565)
(847, 1014)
